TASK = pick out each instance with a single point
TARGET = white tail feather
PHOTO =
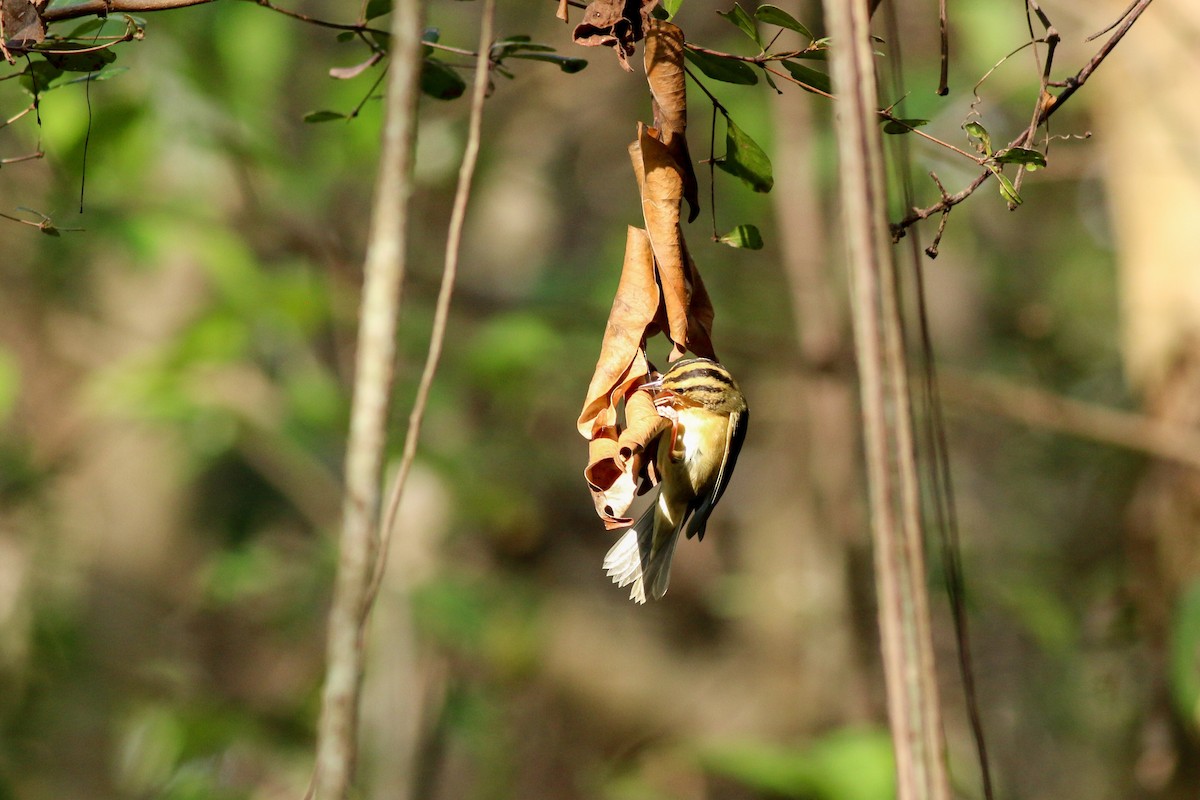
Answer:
(624, 564)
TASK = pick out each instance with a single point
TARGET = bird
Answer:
(695, 458)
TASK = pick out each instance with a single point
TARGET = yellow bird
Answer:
(695, 459)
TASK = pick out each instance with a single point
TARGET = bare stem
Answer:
(905, 629)
(1047, 105)
(458, 217)
(337, 735)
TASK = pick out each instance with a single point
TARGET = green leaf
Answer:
(345, 36)
(1031, 159)
(745, 159)
(39, 76)
(810, 79)
(977, 131)
(89, 27)
(568, 64)
(377, 8)
(743, 21)
(1007, 190)
(744, 236)
(780, 18)
(440, 81)
(671, 7)
(1184, 644)
(86, 60)
(900, 126)
(518, 44)
(323, 116)
(847, 765)
(723, 69)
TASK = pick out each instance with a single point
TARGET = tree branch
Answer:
(337, 735)
(1047, 105)
(904, 625)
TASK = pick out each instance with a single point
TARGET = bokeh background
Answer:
(174, 398)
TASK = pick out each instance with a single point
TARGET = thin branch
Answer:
(1039, 408)
(944, 48)
(337, 735)
(904, 624)
(1047, 105)
(437, 339)
(101, 8)
(337, 26)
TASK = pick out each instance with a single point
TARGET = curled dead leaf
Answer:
(22, 23)
(668, 92)
(622, 362)
(614, 23)
(617, 469)
(688, 309)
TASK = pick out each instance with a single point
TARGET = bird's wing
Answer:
(735, 435)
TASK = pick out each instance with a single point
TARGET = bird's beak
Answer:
(652, 386)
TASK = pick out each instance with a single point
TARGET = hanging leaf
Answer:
(440, 81)
(743, 21)
(634, 317)
(745, 159)
(1007, 190)
(668, 93)
(377, 8)
(323, 116)
(810, 79)
(87, 59)
(567, 64)
(39, 76)
(516, 44)
(977, 131)
(727, 70)
(780, 18)
(1030, 159)
(744, 236)
(902, 126)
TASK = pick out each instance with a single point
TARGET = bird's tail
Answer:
(635, 560)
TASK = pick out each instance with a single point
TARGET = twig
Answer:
(437, 339)
(905, 628)
(1042, 409)
(337, 743)
(102, 8)
(1048, 104)
(944, 48)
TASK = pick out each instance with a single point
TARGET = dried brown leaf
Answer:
(668, 92)
(562, 11)
(622, 363)
(616, 466)
(643, 424)
(23, 23)
(660, 181)
(616, 24)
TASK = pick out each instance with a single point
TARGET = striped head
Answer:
(705, 383)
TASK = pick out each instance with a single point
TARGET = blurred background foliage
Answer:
(173, 396)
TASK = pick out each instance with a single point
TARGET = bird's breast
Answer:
(700, 445)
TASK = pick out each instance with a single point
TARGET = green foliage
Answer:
(846, 765)
(744, 236)
(809, 78)
(671, 7)
(902, 126)
(727, 70)
(745, 159)
(1184, 656)
(773, 15)
(743, 21)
